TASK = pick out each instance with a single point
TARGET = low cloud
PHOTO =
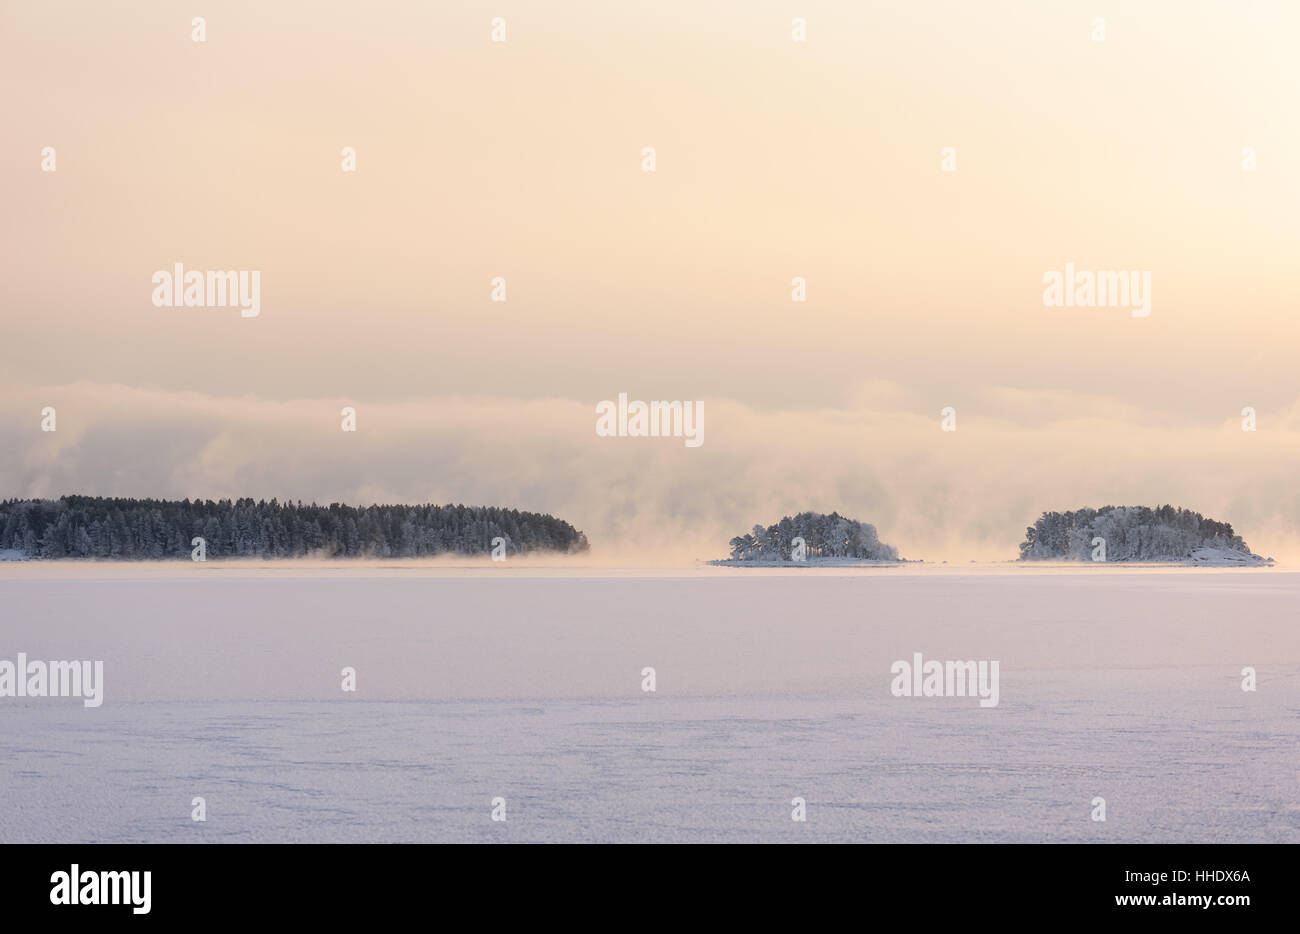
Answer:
(966, 494)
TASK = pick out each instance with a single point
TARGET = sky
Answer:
(1169, 147)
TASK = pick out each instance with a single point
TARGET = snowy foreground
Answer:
(473, 684)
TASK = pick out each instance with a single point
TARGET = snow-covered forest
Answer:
(1131, 533)
(94, 527)
(825, 536)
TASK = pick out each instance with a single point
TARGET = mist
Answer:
(959, 495)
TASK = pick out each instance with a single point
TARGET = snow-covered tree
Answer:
(826, 536)
(95, 527)
(1132, 533)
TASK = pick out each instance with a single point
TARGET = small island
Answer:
(810, 539)
(156, 529)
(1133, 534)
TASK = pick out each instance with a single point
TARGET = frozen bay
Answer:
(526, 683)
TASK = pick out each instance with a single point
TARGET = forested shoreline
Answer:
(151, 529)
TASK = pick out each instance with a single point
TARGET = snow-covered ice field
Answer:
(525, 683)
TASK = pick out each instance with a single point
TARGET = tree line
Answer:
(99, 527)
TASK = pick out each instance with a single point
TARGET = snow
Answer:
(475, 683)
(808, 563)
(1224, 557)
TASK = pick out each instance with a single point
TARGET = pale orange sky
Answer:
(775, 159)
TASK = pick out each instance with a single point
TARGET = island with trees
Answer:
(98, 527)
(810, 538)
(1162, 534)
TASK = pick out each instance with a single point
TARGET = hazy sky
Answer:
(774, 159)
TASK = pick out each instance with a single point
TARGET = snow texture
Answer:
(225, 683)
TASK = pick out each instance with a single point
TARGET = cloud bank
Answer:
(939, 495)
